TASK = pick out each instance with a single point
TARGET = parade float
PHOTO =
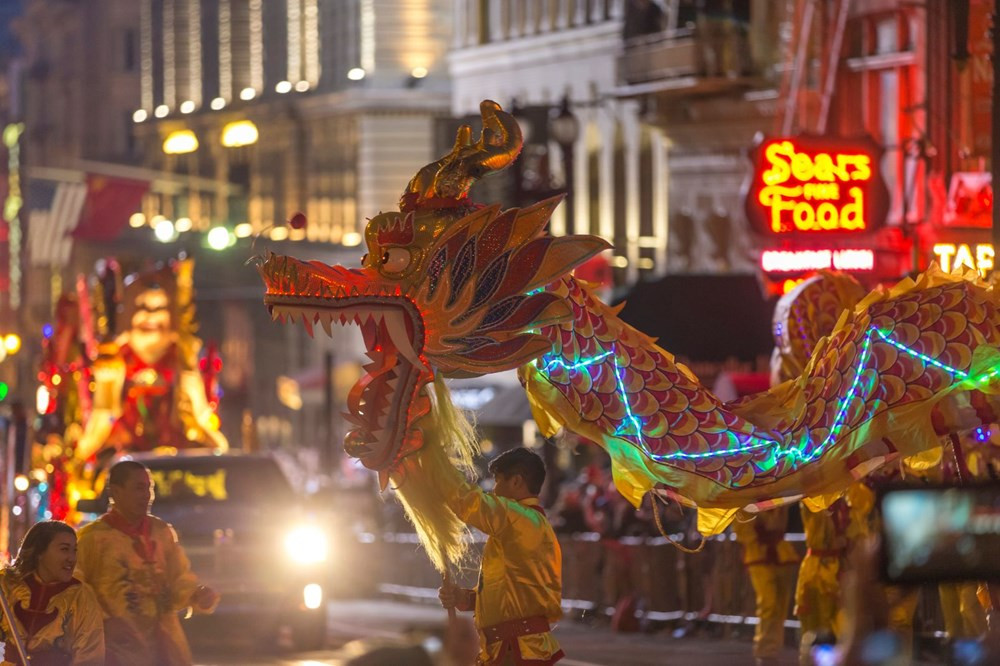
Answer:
(122, 371)
(451, 288)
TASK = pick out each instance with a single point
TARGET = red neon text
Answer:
(793, 261)
(814, 191)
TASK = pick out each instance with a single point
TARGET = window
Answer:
(129, 58)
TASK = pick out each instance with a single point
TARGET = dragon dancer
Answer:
(829, 535)
(519, 593)
(770, 561)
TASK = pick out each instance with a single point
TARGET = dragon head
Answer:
(447, 287)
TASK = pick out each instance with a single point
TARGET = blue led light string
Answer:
(628, 407)
(838, 420)
(797, 453)
(554, 362)
(923, 357)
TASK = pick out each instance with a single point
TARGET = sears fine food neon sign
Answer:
(816, 186)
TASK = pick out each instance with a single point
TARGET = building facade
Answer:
(235, 115)
(674, 96)
(535, 54)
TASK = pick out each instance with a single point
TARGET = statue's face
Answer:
(151, 330)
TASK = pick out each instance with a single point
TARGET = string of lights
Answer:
(744, 443)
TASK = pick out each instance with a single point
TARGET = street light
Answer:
(565, 129)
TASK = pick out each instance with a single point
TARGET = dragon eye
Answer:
(395, 260)
(364, 259)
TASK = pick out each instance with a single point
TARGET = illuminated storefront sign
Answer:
(810, 185)
(953, 255)
(797, 261)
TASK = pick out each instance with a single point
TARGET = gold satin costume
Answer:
(53, 618)
(141, 580)
(521, 571)
(770, 561)
(829, 534)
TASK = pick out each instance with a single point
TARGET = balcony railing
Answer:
(492, 21)
(722, 57)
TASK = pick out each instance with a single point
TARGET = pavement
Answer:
(357, 626)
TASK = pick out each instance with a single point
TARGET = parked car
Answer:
(248, 535)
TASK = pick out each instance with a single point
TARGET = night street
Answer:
(381, 622)
(457, 332)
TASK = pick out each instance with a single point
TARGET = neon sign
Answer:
(795, 261)
(810, 185)
(952, 255)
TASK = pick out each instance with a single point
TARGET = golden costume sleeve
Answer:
(183, 582)
(87, 628)
(479, 509)
(87, 557)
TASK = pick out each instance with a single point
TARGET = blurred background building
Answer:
(147, 128)
(150, 124)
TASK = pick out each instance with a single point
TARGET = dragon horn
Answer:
(422, 184)
(451, 176)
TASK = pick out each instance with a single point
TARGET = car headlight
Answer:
(307, 544)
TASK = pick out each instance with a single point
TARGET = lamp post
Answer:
(565, 129)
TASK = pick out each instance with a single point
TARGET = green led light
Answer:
(796, 454)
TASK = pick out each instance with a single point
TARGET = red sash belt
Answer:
(826, 552)
(512, 629)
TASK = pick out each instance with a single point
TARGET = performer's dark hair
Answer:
(122, 470)
(523, 462)
(35, 542)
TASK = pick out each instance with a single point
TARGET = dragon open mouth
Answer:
(388, 398)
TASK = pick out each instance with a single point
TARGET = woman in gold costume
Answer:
(56, 616)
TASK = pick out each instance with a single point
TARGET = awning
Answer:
(704, 317)
(496, 400)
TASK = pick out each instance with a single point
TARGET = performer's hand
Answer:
(457, 598)
(204, 598)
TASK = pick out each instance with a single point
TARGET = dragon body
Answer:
(904, 366)
(449, 288)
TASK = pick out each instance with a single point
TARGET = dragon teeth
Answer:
(396, 327)
(326, 321)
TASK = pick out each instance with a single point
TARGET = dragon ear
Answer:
(544, 260)
(562, 256)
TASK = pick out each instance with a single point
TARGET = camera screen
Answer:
(941, 533)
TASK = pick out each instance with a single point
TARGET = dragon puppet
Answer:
(450, 288)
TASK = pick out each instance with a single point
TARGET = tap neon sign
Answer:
(815, 186)
(979, 257)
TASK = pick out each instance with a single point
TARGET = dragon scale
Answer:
(896, 372)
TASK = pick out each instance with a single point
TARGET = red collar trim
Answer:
(140, 534)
